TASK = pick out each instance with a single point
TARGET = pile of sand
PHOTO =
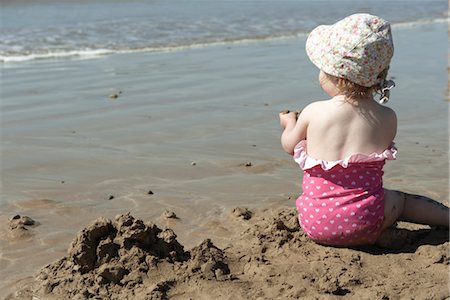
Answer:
(127, 258)
(281, 262)
(269, 257)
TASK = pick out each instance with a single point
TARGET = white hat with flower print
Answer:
(357, 48)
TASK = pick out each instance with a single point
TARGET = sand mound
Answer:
(281, 262)
(125, 259)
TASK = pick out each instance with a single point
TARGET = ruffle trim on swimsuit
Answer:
(307, 162)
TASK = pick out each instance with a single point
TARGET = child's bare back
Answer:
(337, 128)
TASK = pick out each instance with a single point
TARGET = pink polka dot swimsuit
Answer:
(342, 203)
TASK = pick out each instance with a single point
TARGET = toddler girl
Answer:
(342, 143)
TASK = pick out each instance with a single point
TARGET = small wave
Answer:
(420, 22)
(93, 53)
(56, 54)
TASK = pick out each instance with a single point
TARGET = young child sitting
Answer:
(342, 143)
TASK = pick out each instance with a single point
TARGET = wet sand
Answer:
(184, 127)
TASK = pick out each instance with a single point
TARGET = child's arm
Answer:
(294, 130)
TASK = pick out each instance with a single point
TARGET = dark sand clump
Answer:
(242, 212)
(19, 227)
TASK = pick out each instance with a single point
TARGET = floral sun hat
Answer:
(357, 48)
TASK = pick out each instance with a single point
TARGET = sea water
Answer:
(42, 29)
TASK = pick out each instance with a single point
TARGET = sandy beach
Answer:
(268, 257)
(196, 132)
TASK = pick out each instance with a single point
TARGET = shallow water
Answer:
(67, 146)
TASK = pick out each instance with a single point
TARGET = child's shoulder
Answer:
(316, 104)
(387, 111)
(313, 109)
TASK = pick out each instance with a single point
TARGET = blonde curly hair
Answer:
(353, 90)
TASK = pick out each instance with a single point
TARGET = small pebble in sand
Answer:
(115, 95)
(248, 164)
(150, 192)
(62, 181)
(193, 163)
(19, 221)
(242, 212)
(168, 214)
(111, 197)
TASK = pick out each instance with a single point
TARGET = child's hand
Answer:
(287, 117)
